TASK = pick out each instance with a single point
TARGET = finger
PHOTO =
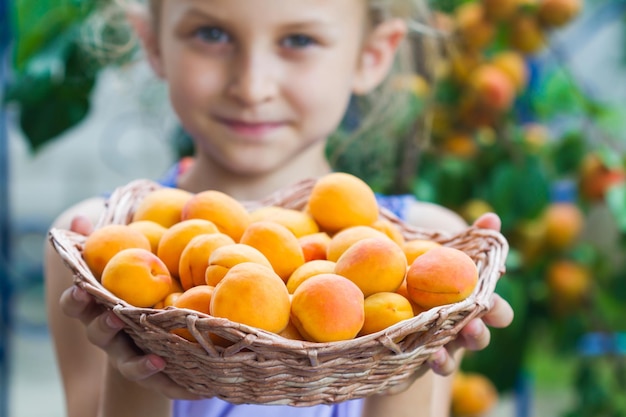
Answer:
(442, 362)
(81, 224)
(500, 314)
(103, 330)
(146, 371)
(489, 221)
(75, 302)
(475, 335)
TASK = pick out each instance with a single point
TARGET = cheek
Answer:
(324, 97)
(191, 85)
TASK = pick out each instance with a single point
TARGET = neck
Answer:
(206, 174)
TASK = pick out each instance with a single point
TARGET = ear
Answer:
(145, 29)
(378, 54)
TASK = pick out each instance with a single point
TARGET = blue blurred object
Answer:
(5, 284)
(600, 344)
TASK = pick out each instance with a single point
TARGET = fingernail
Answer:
(155, 363)
(79, 294)
(438, 358)
(113, 322)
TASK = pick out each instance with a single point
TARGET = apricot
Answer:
(492, 87)
(384, 309)
(513, 65)
(137, 276)
(526, 35)
(473, 394)
(194, 259)
(390, 229)
(374, 265)
(150, 229)
(341, 241)
(328, 308)
(475, 31)
(177, 237)
(314, 246)
(307, 270)
(558, 13)
(404, 292)
(442, 275)
(254, 295)
(340, 200)
(227, 256)
(105, 242)
(416, 247)
(460, 144)
(228, 214)
(564, 223)
(168, 301)
(299, 222)
(196, 298)
(569, 283)
(596, 177)
(291, 332)
(500, 10)
(163, 206)
(277, 243)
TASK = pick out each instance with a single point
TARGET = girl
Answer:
(259, 85)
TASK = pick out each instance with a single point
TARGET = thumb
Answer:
(81, 224)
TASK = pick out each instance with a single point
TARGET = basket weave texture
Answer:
(264, 368)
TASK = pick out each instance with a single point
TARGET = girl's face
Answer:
(257, 82)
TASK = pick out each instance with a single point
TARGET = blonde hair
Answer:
(376, 140)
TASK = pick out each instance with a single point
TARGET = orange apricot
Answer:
(374, 265)
(194, 259)
(227, 256)
(105, 242)
(442, 275)
(228, 214)
(390, 229)
(196, 298)
(150, 229)
(314, 246)
(416, 247)
(340, 200)
(176, 238)
(277, 243)
(347, 237)
(384, 309)
(254, 295)
(137, 276)
(299, 222)
(564, 223)
(307, 270)
(328, 308)
(558, 13)
(473, 394)
(163, 206)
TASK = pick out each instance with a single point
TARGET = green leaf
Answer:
(616, 202)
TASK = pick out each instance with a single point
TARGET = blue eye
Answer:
(298, 41)
(211, 34)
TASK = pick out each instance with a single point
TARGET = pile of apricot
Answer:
(332, 271)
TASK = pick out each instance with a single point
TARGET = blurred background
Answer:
(525, 115)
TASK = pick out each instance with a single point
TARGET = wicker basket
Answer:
(264, 368)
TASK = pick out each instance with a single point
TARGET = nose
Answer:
(254, 78)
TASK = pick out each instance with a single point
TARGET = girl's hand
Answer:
(475, 335)
(103, 330)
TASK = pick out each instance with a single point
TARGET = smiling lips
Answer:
(251, 128)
